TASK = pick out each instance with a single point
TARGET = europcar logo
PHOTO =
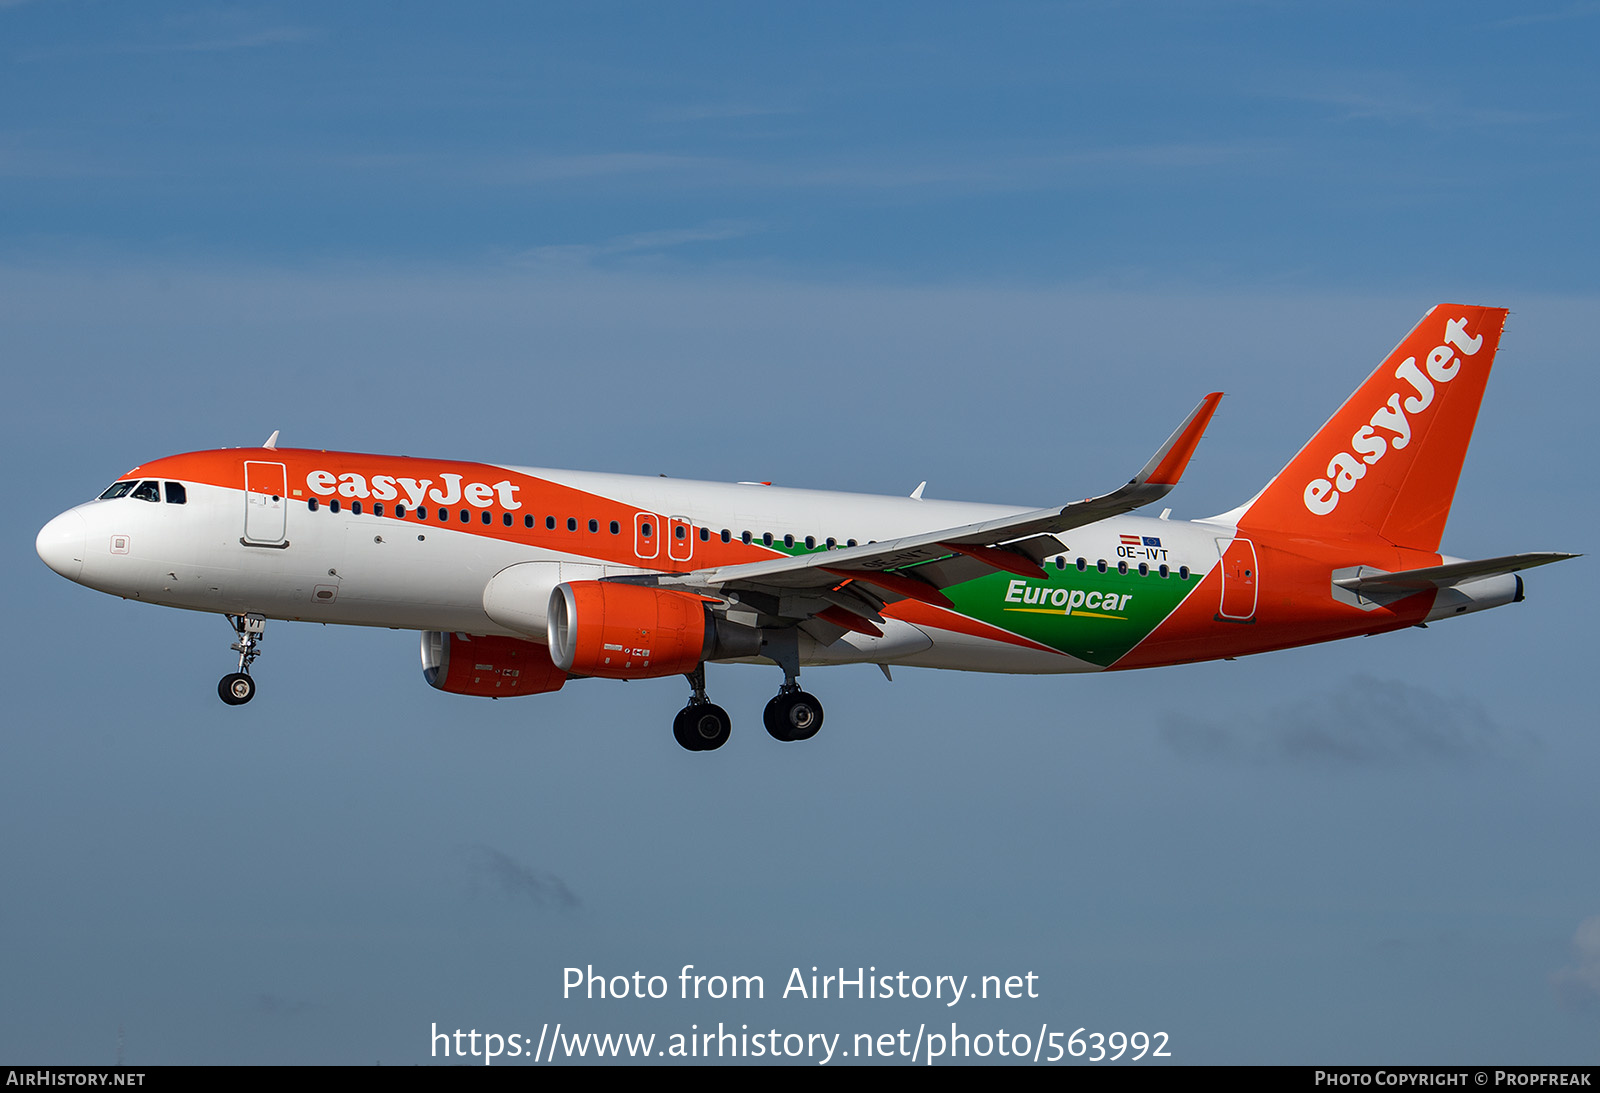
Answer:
(1345, 470)
(1066, 601)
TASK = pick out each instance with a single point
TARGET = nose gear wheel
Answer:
(237, 688)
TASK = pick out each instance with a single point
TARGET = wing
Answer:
(829, 584)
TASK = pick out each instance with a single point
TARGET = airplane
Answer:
(522, 578)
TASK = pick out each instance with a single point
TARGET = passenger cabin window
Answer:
(119, 489)
(176, 494)
(148, 491)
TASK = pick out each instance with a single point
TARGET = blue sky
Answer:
(1003, 249)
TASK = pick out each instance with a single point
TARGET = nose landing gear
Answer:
(237, 688)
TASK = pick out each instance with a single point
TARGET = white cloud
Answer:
(514, 880)
(1397, 100)
(1579, 985)
(1366, 722)
(638, 243)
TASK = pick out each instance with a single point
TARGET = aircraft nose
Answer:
(60, 544)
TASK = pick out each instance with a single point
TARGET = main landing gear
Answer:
(237, 688)
(702, 725)
(793, 714)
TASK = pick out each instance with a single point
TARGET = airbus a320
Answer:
(521, 579)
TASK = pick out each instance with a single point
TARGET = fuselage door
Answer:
(1238, 579)
(265, 502)
(646, 534)
(680, 541)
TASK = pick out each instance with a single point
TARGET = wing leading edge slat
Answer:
(917, 566)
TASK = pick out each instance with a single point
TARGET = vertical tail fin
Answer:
(1386, 464)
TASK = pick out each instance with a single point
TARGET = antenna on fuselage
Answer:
(272, 441)
(916, 494)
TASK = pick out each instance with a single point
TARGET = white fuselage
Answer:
(339, 567)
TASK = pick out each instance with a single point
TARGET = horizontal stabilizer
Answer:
(1410, 581)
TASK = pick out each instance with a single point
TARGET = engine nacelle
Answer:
(627, 631)
(517, 596)
(488, 666)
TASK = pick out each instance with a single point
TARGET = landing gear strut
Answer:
(237, 688)
(792, 714)
(702, 725)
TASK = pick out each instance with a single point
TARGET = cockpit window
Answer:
(176, 494)
(148, 491)
(118, 489)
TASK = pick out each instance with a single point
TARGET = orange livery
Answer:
(521, 578)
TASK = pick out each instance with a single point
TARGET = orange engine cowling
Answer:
(492, 667)
(626, 631)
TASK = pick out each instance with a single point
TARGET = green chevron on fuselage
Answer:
(1094, 616)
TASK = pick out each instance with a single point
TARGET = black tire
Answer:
(793, 716)
(702, 727)
(236, 689)
(804, 715)
(710, 725)
(776, 718)
(680, 730)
